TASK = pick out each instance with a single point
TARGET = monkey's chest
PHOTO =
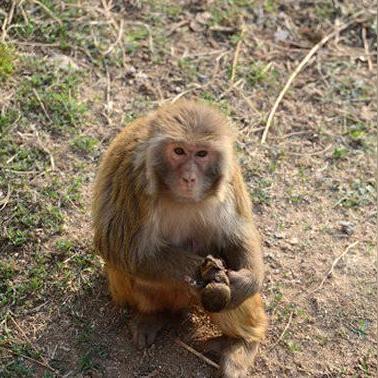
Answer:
(199, 230)
(198, 240)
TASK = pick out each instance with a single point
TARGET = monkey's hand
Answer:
(215, 297)
(243, 284)
(213, 270)
(215, 294)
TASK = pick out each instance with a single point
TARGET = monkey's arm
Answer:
(245, 265)
(166, 263)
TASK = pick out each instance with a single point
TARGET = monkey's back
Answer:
(119, 202)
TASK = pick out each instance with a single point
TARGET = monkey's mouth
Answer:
(188, 196)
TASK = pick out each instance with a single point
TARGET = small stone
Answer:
(203, 78)
(268, 243)
(279, 235)
(293, 241)
(203, 17)
(347, 227)
(281, 35)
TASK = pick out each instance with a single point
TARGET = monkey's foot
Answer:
(146, 328)
(215, 347)
(237, 359)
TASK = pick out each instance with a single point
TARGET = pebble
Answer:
(347, 227)
(279, 235)
(293, 241)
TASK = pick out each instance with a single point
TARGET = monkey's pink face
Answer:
(192, 170)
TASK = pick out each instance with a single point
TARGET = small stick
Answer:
(42, 105)
(366, 47)
(177, 26)
(247, 100)
(150, 39)
(7, 21)
(283, 332)
(108, 106)
(299, 69)
(31, 360)
(44, 148)
(311, 153)
(5, 200)
(120, 33)
(196, 86)
(237, 51)
(337, 259)
(196, 353)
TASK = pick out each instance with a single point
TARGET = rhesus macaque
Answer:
(168, 194)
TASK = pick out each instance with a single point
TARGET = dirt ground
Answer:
(74, 73)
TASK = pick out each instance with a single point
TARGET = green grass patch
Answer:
(84, 144)
(339, 153)
(261, 192)
(7, 60)
(50, 96)
(222, 105)
(357, 194)
(188, 67)
(259, 74)
(271, 6)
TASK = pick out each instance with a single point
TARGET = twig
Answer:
(44, 363)
(5, 200)
(18, 354)
(44, 148)
(42, 105)
(310, 153)
(48, 11)
(24, 15)
(247, 100)
(108, 106)
(284, 331)
(36, 44)
(196, 86)
(234, 85)
(366, 47)
(196, 353)
(299, 69)
(7, 21)
(23, 333)
(176, 26)
(237, 51)
(150, 39)
(337, 259)
(120, 33)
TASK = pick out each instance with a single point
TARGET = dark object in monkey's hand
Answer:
(216, 293)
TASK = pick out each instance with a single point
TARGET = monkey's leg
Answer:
(244, 327)
(120, 286)
(146, 328)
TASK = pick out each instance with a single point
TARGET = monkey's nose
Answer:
(189, 180)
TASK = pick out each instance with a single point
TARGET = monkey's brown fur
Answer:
(150, 242)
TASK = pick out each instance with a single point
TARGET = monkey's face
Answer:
(192, 171)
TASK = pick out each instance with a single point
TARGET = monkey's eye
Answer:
(201, 153)
(179, 151)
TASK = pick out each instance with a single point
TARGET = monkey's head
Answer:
(189, 157)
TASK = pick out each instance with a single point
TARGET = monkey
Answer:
(168, 194)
